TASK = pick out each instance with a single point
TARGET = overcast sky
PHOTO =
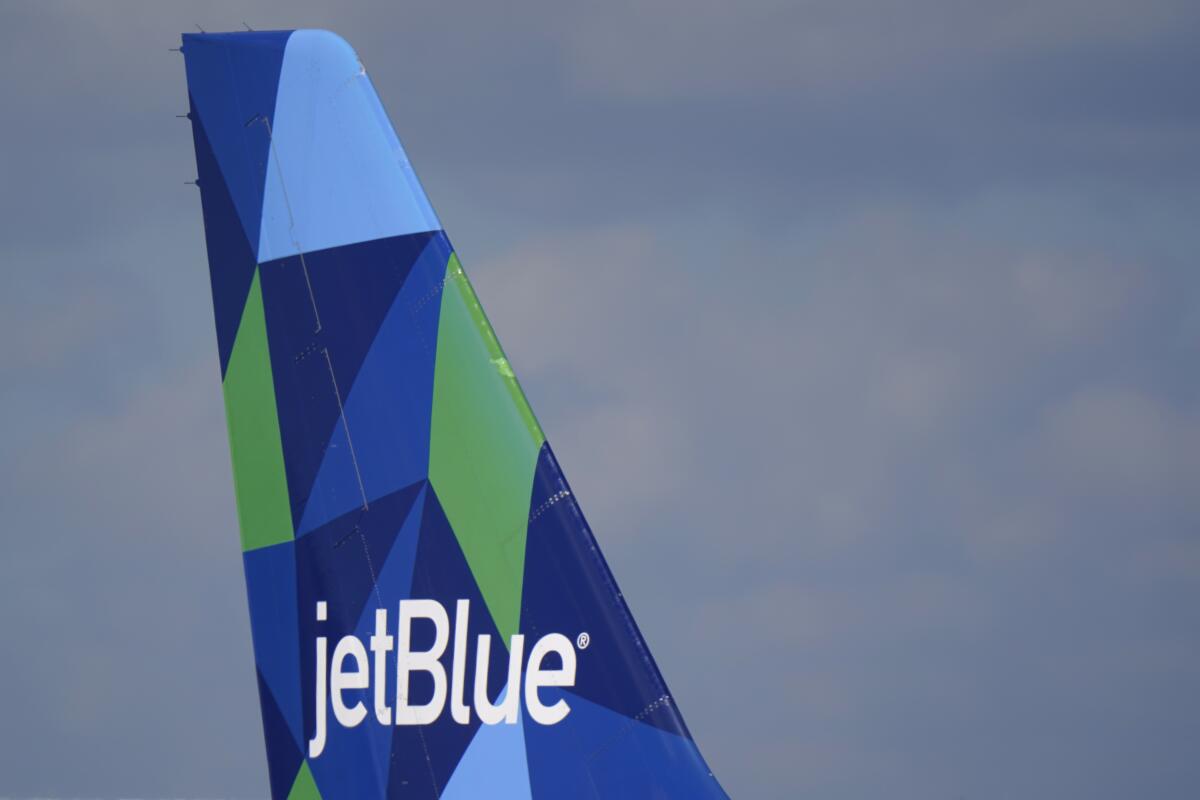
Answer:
(867, 333)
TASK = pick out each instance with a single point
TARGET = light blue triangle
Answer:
(493, 766)
(337, 173)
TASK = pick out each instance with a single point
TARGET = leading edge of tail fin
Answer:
(431, 614)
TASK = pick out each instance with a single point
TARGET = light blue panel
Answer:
(493, 766)
(337, 172)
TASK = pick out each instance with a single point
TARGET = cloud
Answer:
(1121, 443)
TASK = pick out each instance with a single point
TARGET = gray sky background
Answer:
(866, 332)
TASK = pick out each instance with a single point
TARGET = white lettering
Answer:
(507, 710)
(341, 679)
(459, 710)
(316, 745)
(536, 678)
(351, 669)
(381, 645)
(421, 661)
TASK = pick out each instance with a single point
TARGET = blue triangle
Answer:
(314, 367)
(388, 407)
(597, 753)
(336, 490)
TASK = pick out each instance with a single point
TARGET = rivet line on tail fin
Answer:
(416, 306)
(362, 537)
(554, 498)
(312, 298)
(345, 427)
(357, 472)
(358, 475)
(292, 224)
(665, 700)
(431, 294)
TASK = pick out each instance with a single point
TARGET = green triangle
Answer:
(483, 449)
(259, 481)
(304, 787)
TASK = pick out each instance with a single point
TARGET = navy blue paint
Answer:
(569, 589)
(271, 590)
(353, 287)
(231, 260)
(233, 79)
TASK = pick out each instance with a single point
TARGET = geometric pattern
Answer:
(383, 450)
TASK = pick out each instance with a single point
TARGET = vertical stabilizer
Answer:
(432, 616)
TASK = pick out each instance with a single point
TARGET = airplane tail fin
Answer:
(431, 614)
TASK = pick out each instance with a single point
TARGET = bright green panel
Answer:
(483, 449)
(258, 477)
(304, 787)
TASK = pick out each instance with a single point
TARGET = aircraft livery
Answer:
(431, 614)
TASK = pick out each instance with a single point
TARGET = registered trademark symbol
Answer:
(583, 641)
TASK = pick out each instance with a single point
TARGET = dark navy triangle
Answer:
(569, 589)
(424, 757)
(283, 756)
(352, 287)
(233, 79)
(231, 260)
(338, 563)
(388, 407)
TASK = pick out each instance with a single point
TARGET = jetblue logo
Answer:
(351, 669)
